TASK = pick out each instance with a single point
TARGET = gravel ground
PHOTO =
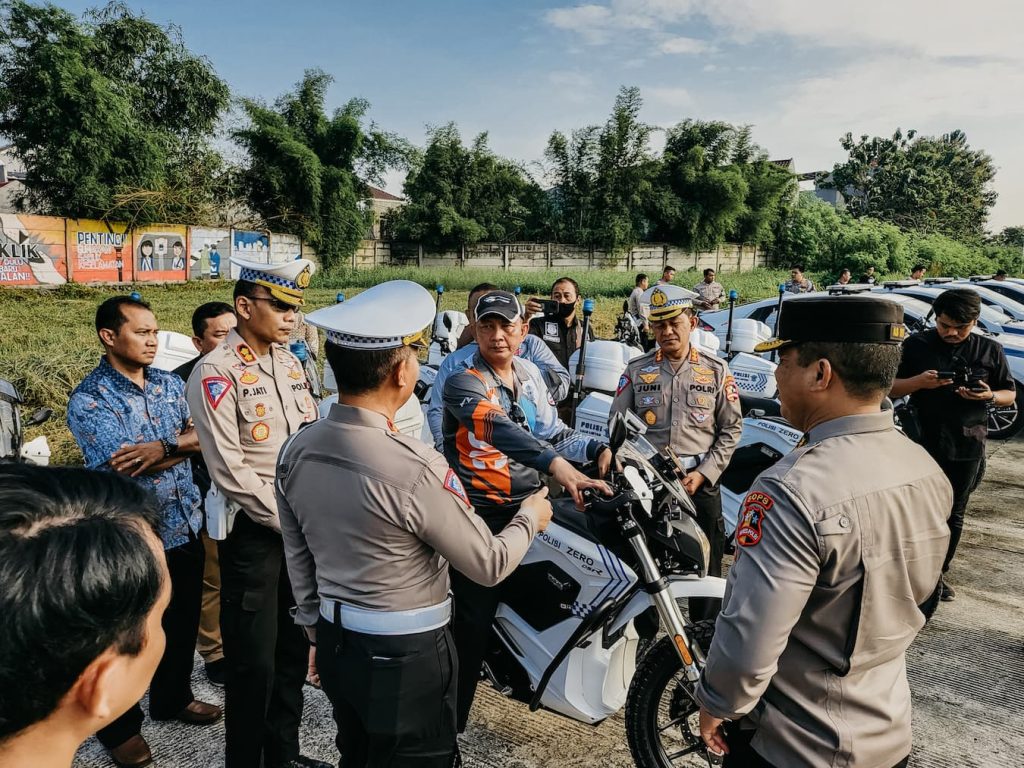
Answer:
(966, 673)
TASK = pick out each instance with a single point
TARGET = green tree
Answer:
(927, 184)
(701, 195)
(572, 164)
(459, 195)
(1011, 236)
(305, 170)
(944, 256)
(111, 114)
(625, 170)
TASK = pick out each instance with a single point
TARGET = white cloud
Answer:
(685, 45)
(668, 97)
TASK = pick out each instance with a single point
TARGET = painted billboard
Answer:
(32, 250)
(209, 251)
(160, 252)
(99, 251)
(249, 246)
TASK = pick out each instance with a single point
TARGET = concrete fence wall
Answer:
(731, 257)
(46, 250)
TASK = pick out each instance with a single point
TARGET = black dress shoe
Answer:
(304, 762)
(216, 672)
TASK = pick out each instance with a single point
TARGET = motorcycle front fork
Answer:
(671, 617)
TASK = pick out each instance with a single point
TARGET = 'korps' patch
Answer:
(248, 378)
(755, 507)
(648, 378)
(295, 375)
(215, 387)
(453, 485)
(624, 381)
(260, 431)
(245, 353)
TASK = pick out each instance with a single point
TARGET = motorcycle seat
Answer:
(767, 406)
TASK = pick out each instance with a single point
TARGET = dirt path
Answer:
(966, 673)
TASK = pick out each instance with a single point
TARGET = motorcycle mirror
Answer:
(616, 432)
(43, 414)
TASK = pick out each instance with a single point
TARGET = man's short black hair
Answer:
(78, 577)
(797, 267)
(1000, 273)
(844, 271)
(919, 268)
(961, 305)
(640, 278)
(109, 314)
(668, 268)
(709, 269)
(244, 288)
(358, 371)
(867, 371)
(570, 281)
(206, 312)
(479, 287)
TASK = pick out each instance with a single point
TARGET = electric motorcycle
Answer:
(592, 587)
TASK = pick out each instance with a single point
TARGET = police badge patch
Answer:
(650, 417)
(624, 382)
(453, 485)
(732, 393)
(215, 387)
(755, 506)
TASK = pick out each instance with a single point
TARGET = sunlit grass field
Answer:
(49, 343)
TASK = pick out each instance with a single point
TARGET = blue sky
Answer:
(803, 72)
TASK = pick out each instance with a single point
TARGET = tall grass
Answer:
(49, 342)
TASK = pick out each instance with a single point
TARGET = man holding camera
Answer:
(952, 376)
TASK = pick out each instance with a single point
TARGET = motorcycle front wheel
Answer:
(661, 718)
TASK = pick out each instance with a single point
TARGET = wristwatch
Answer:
(170, 445)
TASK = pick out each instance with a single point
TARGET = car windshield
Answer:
(1004, 302)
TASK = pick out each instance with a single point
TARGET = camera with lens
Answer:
(964, 376)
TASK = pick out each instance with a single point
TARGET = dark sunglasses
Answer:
(276, 304)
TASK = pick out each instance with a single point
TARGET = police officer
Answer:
(710, 292)
(247, 396)
(807, 666)
(371, 519)
(690, 403)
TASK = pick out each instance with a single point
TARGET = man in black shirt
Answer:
(563, 331)
(952, 376)
(210, 324)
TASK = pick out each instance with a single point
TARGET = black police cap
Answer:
(849, 319)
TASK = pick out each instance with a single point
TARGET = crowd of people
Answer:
(341, 551)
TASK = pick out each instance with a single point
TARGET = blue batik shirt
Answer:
(108, 412)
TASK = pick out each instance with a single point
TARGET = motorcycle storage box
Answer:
(754, 375)
(605, 364)
(592, 415)
(173, 349)
(746, 334)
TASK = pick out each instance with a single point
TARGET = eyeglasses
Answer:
(276, 304)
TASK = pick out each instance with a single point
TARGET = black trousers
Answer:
(266, 653)
(964, 476)
(742, 755)
(393, 696)
(474, 608)
(708, 501)
(171, 689)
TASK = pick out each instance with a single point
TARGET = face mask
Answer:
(565, 310)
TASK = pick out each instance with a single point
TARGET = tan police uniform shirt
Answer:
(372, 517)
(244, 408)
(711, 294)
(837, 545)
(693, 411)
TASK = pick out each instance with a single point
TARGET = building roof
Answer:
(380, 194)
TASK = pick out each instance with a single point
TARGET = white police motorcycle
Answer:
(593, 590)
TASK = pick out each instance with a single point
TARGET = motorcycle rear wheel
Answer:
(661, 718)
